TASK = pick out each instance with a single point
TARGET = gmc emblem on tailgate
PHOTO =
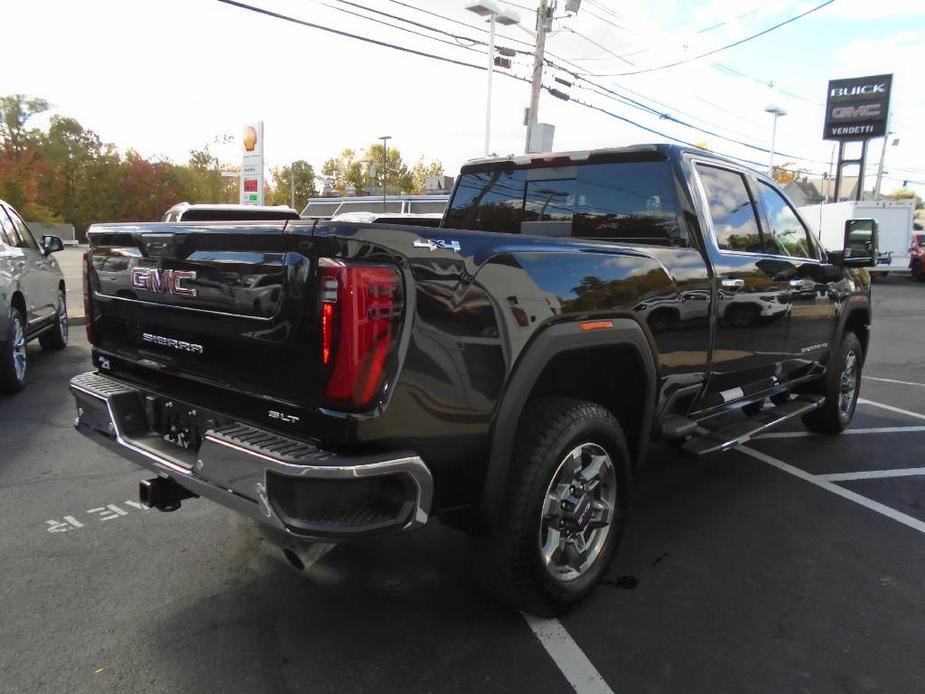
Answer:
(163, 281)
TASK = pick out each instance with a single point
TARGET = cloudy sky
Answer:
(165, 76)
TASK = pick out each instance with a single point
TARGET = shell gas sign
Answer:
(252, 164)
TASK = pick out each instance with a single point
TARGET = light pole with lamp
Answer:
(775, 111)
(385, 164)
(292, 185)
(496, 12)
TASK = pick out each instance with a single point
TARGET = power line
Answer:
(432, 56)
(736, 18)
(455, 43)
(602, 47)
(460, 23)
(723, 48)
(340, 32)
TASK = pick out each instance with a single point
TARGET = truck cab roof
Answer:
(648, 152)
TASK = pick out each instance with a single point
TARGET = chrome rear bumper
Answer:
(291, 485)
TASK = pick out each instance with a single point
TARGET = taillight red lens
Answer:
(88, 303)
(361, 309)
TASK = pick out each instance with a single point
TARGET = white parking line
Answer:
(882, 509)
(869, 430)
(568, 657)
(893, 380)
(898, 410)
(873, 474)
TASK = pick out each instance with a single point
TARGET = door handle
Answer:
(733, 284)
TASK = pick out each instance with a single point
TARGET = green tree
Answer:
(388, 162)
(363, 170)
(346, 171)
(305, 188)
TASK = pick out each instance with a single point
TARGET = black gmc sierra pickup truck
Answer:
(504, 372)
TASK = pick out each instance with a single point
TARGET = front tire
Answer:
(564, 511)
(842, 386)
(917, 274)
(13, 356)
(56, 338)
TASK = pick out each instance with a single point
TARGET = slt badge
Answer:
(434, 244)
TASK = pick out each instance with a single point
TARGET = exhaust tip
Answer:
(293, 558)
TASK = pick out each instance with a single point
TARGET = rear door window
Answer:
(735, 218)
(632, 201)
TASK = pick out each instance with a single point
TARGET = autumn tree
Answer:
(906, 194)
(19, 163)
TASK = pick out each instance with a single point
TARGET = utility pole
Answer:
(538, 59)
(882, 159)
(385, 165)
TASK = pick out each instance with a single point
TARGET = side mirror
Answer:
(52, 244)
(861, 247)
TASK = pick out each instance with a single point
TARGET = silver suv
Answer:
(32, 297)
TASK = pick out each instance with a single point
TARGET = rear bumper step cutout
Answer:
(290, 485)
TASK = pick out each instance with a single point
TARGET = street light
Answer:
(385, 164)
(775, 111)
(496, 12)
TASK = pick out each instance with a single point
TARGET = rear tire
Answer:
(56, 338)
(564, 510)
(842, 386)
(13, 359)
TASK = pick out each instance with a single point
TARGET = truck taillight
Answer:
(361, 307)
(88, 303)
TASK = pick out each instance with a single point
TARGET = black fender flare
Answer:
(555, 340)
(854, 304)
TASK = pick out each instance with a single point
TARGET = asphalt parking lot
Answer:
(796, 564)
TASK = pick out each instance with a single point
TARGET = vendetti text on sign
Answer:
(857, 108)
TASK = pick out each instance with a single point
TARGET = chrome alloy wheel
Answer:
(62, 316)
(577, 512)
(848, 383)
(19, 348)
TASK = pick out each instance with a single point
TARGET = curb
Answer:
(76, 321)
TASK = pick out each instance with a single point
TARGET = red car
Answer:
(917, 256)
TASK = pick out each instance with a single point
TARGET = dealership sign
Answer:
(857, 108)
(252, 165)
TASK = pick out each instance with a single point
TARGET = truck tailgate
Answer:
(220, 303)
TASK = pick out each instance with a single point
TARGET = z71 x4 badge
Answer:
(434, 244)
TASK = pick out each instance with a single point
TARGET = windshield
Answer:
(627, 201)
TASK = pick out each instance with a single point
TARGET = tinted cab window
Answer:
(784, 233)
(632, 201)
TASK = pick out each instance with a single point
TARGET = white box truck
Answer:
(894, 217)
